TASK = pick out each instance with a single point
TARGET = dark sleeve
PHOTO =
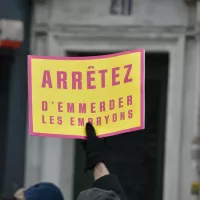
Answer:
(110, 182)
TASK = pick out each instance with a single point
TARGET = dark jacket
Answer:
(105, 188)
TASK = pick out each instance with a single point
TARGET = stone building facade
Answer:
(155, 161)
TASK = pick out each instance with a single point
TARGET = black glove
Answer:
(94, 148)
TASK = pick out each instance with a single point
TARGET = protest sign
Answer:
(66, 92)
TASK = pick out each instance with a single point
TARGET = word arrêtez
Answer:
(77, 78)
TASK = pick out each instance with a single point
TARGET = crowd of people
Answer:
(106, 186)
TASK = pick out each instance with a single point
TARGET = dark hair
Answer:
(8, 198)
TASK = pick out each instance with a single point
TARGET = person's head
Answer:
(98, 194)
(40, 191)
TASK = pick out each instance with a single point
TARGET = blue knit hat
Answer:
(43, 191)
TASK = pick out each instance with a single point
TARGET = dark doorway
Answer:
(137, 158)
(5, 68)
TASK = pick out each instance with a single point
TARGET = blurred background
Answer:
(153, 164)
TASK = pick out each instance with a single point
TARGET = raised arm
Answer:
(95, 160)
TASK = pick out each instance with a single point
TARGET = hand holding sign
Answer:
(94, 148)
